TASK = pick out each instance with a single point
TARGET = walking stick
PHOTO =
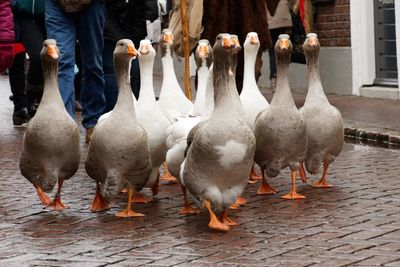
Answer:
(185, 35)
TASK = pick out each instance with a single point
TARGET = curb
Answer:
(385, 140)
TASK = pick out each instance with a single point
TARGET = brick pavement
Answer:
(355, 223)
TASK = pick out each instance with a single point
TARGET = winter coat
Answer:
(282, 17)
(6, 35)
(29, 7)
(237, 17)
(127, 19)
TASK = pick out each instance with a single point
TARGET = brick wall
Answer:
(332, 23)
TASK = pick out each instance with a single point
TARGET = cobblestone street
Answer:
(357, 222)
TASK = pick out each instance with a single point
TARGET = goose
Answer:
(280, 129)
(172, 101)
(177, 133)
(220, 150)
(50, 148)
(252, 99)
(150, 116)
(118, 154)
(324, 121)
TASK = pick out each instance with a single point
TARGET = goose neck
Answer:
(122, 75)
(168, 67)
(146, 80)
(249, 69)
(51, 92)
(222, 94)
(201, 96)
(283, 95)
(315, 89)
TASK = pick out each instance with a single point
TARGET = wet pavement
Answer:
(357, 222)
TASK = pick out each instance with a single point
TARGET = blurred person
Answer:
(126, 19)
(239, 17)
(67, 22)
(279, 23)
(6, 35)
(30, 31)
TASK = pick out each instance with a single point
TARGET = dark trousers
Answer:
(17, 81)
(32, 33)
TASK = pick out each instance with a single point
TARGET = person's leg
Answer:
(90, 35)
(17, 84)
(110, 89)
(135, 77)
(62, 27)
(32, 36)
(78, 78)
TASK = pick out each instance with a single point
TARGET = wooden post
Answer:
(185, 35)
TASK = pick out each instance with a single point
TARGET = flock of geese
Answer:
(210, 146)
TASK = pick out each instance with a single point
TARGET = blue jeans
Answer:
(87, 27)
(111, 87)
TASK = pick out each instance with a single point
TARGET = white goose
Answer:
(177, 133)
(220, 150)
(118, 154)
(280, 129)
(50, 148)
(252, 99)
(149, 114)
(172, 101)
(324, 121)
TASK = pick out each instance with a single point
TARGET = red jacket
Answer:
(6, 35)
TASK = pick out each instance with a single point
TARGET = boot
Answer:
(20, 116)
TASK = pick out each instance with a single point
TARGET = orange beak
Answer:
(312, 42)
(168, 38)
(227, 42)
(284, 43)
(131, 51)
(52, 51)
(203, 51)
(253, 40)
(144, 49)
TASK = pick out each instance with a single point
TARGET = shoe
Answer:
(20, 116)
(33, 96)
(273, 84)
(78, 106)
(89, 132)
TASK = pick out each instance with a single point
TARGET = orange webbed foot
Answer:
(189, 210)
(57, 205)
(138, 198)
(254, 177)
(293, 195)
(167, 176)
(226, 220)
(46, 201)
(99, 203)
(322, 184)
(214, 222)
(240, 200)
(128, 213)
(266, 189)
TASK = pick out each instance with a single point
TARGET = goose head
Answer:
(283, 49)
(223, 44)
(166, 41)
(252, 42)
(235, 40)
(146, 49)
(204, 54)
(125, 51)
(311, 47)
(50, 52)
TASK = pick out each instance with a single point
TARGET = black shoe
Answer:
(20, 116)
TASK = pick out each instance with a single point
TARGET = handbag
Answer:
(297, 37)
(195, 15)
(72, 6)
